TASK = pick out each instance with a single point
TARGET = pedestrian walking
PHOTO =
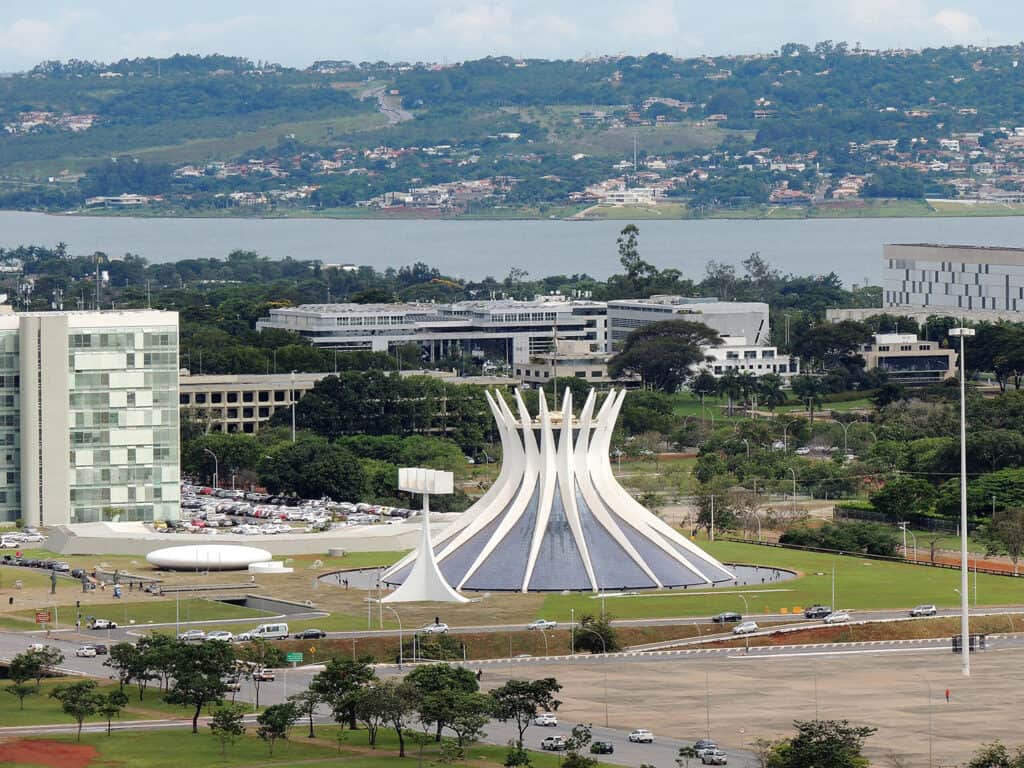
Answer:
(947, 695)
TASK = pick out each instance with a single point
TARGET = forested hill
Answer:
(797, 126)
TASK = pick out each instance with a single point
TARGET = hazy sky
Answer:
(300, 31)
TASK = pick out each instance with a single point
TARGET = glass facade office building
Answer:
(95, 416)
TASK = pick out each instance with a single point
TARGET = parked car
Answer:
(192, 635)
(923, 610)
(310, 634)
(803, 450)
(542, 624)
(714, 757)
(817, 611)
(263, 675)
(726, 616)
(102, 624)
(545, 719)
(220, 634)
(554, 744)
(85, 651)
(602, 748)
(745, 628)
(641, 736)
(837, 617)
(32, 537)
(435, 629)
(702, 745)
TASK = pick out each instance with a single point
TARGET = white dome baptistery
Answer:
(208, 557)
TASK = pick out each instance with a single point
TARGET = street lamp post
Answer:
(293, 406)
(793, 472)
(846, 429)
(965, 628)
(216, 467)
(913, 538)
(604, 664)
(747, 443)
(746, 612)
(785, 443)
(401, 649)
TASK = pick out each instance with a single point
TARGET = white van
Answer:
(270, 632)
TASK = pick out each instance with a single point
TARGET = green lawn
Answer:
(172, 747)
(860, 584)
(157, 611)
(40, 709)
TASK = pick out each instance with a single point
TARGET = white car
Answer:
(641, 736)
(86, 651)
(745, 628)
(31, 537)
(545, 719)
(435, 629)
(923, 610)
(192, 635)
(838, 617)
(220, 634)
(542, 624)
(10, 543)
(802, 451)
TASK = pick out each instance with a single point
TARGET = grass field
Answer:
(40, 709)
(171, 748)
(860, 584)
(154, 611)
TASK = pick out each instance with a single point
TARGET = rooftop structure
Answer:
(736, 355)
(502, 329)
(556, 519)
(745, 319)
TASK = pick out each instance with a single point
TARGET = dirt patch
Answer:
(52, 754)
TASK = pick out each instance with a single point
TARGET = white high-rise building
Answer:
(89, 416)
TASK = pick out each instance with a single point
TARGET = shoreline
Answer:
(889, 209)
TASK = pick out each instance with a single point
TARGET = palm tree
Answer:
(729, 385)
(769, 391)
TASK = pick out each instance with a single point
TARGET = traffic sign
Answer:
(312, 650)
(42, 617)
(294, 657)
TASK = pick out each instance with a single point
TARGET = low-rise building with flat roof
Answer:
(907, 359)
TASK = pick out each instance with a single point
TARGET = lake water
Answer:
(475, 249)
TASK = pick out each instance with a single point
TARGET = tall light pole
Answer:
(401, 658)
(846, 429)
(785, 443)
(965, 627)
(747, 443)
(604, 664)
(293, 406)
(216, 467)
(793, 472)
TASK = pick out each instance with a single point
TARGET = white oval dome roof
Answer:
(208, 557)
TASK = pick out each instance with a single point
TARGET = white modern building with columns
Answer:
(89, 416)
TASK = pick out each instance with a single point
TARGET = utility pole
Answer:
(711, 537)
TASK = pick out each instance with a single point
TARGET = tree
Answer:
(399, 705)
(80, 700)
(467, 715)
(259, 653)
(664, 353)
(436, 685)
(274, 723)
(996, 755)
(306, 703)
(371, 705)
(1005, 533)
(338, 684)
(704, 384)
(826, 743)
(596, 634)
(111, 704)
(518, 701)
(36, 664)
(687, 753)
(227, 725)
(131, 663)
(809, 389)
(904, 495)
(21, 689)
(158, 656)
(198, 672)
(769, 391)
